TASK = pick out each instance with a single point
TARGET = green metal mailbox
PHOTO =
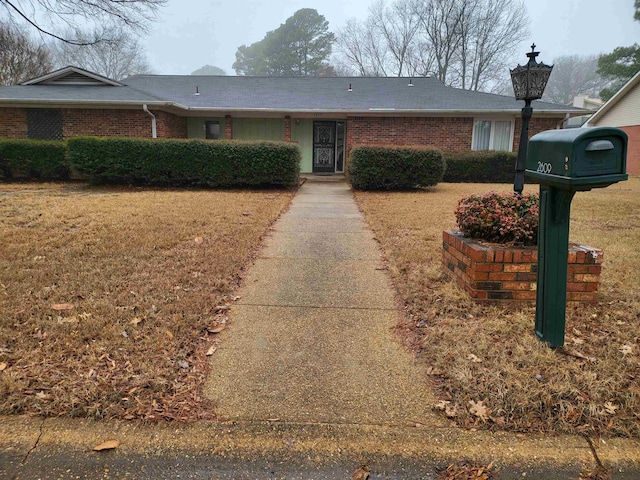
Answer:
(578, 159)
(565, 162)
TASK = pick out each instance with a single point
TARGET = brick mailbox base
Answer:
(494, 273)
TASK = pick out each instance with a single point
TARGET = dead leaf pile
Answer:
(466, 471)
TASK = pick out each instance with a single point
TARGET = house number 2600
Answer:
(544, 167)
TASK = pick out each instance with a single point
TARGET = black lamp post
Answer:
(529, 82)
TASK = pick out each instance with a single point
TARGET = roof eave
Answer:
(387, 111)
(613, 100)
(89, 103)
(370, 111)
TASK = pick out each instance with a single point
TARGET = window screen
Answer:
(44, 124)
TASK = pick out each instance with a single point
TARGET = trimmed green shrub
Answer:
(480, 167)
(395, 168)
(33, 159)
(499, 217)
(220, 163)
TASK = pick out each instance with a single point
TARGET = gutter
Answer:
(168, 104)
(154, 133)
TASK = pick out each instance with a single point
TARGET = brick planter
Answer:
(495, 273)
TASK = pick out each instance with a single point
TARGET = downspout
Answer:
(154, 133)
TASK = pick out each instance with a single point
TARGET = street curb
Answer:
(24, 440)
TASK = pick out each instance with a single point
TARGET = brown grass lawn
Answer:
(490, 354)
(108, 295)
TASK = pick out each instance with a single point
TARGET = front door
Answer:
(324, 147)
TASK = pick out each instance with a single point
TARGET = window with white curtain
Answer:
(492, 135)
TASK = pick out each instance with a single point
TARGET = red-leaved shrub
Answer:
(499, 218)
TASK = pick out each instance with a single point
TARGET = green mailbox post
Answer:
(565, 162)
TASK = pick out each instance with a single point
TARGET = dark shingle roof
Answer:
(368, 95)
(76, 94)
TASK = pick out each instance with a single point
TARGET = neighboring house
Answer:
(587, 103)
(623, 111)
(325, 116)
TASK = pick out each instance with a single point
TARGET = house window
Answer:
(44, 124)
(492, 135)
(212, 130)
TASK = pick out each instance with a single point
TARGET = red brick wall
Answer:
(450, 134)
(169, 125)
(13, 123)
(105, 123)
(99, 122)
(633, 149)
(494, 273)
(287, 128)
(536, 125)
(228, 127)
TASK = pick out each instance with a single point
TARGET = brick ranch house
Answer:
(325, 116)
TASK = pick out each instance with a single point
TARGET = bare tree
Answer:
(490, 30)
(574, 75)
(21, 58)
(119, 57)
(441, 24)
(55, 17)
(385, 44)
(360, 49)
(465, 43)
(397, 26)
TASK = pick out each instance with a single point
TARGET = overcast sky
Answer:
(193, 33)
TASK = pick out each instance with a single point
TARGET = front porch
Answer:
(322, 142)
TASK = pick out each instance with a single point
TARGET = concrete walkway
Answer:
(310, 339)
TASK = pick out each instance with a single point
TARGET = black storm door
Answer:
(324, 147)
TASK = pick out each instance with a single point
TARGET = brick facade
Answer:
(287, 128)
(536, 125)
(105, 123)
(497, 273)
(228, 127)
(169, 125)
(99, 122)
(13, 123)
(450, 134)
(633, 149)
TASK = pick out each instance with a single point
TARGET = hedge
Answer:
(395, 168)
(33, 159)
(480, 167)
(220, 163)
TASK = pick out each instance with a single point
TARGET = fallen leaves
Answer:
(122, 264)
(212, 350)
(108, 445)
(361, 473)
(610, 408)
(449, 410)
(479, 409)
(217, 329)
(474, 358)
(466, 471)
(626, 350)
(62, 306)
(3, 366)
